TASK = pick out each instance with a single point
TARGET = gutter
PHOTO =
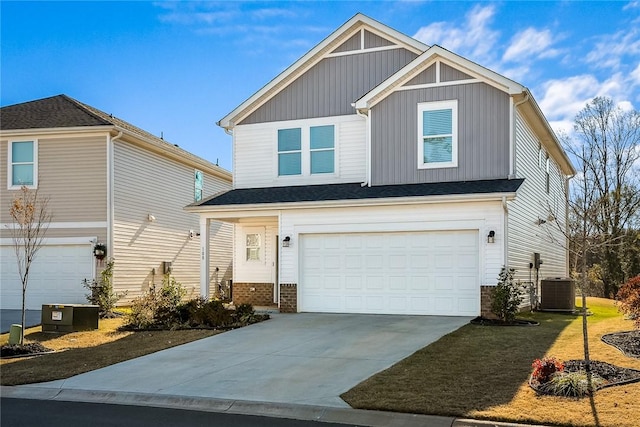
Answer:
(110, 190)
(367, 181)
(512, 131)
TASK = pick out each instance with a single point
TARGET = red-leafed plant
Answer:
(628, 299)
(545, 368)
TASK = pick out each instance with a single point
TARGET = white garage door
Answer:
(430, 273)
(55, 277)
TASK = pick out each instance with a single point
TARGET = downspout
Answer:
(505, 208)
(512, 125)
(367, 181)
(110, 189)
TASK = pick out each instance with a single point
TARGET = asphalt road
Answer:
(29, 413)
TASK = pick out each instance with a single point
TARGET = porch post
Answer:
(204, 256)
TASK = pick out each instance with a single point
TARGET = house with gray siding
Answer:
(113, 186)
(378, 174)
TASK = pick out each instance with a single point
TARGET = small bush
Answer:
(628, 299)
(158, 308)
(572, 384)
(505, 296)
(200, 312)
(545, 368)
(102, 293)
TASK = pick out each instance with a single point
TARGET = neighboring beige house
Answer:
(109, 182)
(378, 174)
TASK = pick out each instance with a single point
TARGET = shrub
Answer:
(505, 296)
(102, 293)
(628, 299)
(201, 312)
(545, 368)
(572, 384)
(158, 308)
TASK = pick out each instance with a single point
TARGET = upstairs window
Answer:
(438, 134)
(23, 164)
(322, 147)
(547, 172)
(289, 151)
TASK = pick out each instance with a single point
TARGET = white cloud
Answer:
(473, 38)
(530, 43)
(612, 48)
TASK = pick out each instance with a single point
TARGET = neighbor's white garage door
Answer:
(55, 276)
(430, 273)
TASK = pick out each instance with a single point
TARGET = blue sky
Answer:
(178, 67)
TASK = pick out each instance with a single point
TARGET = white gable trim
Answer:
(311, 58)
(435, 54)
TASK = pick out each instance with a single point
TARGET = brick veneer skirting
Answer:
(259, 294)
(288, 298)
(485, 302)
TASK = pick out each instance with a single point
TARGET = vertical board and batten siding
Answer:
(449, 74)
(256, 153)
(532, 203)
(483, 135)
(372, 40)
(331, 86)
(148, 183)
(72, 173)
(424, 77)
(482, 216)
(262, 271)
(352, 43)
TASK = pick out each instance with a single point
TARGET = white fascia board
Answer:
(425, 60)
(235, 211)
(76, 131)
(309, 60)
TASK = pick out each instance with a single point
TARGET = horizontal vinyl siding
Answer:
(442, 216)
(331, 86)
(147, 183)
(483, 135)
(72, 173)
(255, 153)
(532, 203)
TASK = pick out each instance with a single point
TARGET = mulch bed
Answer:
(483, 321)
(17, 350)
(627, 342)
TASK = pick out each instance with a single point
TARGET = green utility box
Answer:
(69, 317)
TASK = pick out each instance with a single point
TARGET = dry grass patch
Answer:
(482, 372)
(80, 352)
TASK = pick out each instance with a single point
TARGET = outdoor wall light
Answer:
(491, 238)
(286, 242)
(151, 218)
(193, 234)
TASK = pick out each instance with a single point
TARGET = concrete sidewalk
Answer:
(302, 358)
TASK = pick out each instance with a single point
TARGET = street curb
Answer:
(326, 414)
(277, 410)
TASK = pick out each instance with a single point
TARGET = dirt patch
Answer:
(614, 375)
(23, 350)
(483, 321)
(627, 342)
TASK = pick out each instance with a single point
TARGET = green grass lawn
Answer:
(483, 371)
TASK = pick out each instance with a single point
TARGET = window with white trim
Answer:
(253, 246)
(22, 164)
(547, 171)
(308, 150)
(289, 151)
(322, 148)
(438, 134)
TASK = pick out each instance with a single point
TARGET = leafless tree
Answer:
(31, 219)
(608, 145)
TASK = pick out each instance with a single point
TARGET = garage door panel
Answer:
(55, 276)
(396, 273)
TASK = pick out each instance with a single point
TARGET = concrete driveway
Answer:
(292, 358)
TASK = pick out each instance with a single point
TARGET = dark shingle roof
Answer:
(354, 191)
(55, 112)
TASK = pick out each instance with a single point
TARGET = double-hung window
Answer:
(253, 247)
(309, 150)
(322, 147)
(289, 151)
(23, 164)
(438, 134)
